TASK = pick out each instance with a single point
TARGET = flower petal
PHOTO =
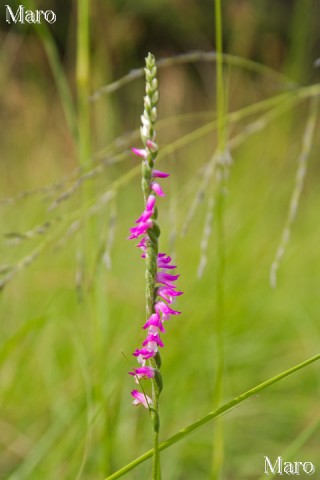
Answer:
(141, 398)
(143, 372)
(164, 308)
(141, 152)
(160, 174)
(150, 203)
(157, 189)
(154, 321)
(140, 229)
(144, 353)
(153, 147)
(153, 338)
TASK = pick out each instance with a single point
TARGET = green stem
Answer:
(83, 112)
(83, 82)
(220, 91)
(212, 415)
(148, 135)
(58, 72)
(151, 271)
(155, 456)
(218, 451)
(192, 57)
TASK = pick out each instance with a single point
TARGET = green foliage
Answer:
(72, 297)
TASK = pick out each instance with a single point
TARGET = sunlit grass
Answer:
(68, 327)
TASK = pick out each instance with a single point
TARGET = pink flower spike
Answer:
(157, 189)
(159, 174)
(154, 321)
(141, 398)
(153, 337)
(141, 152)
(164, 308)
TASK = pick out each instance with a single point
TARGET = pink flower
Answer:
(153, 147)
(143, 243)
(166, 279)
(142, 372)
(141, 398)
(164, 308)
(153, 338)
(144, 354)
(150, 203)
(143, 246)
(153, 329)
(144, 222)
(140, 229)
(159, 174)
(143, 152)
(157, 189)
(145, 216)
(140, 152)
(154, 321)
(149, 209)
(164, 260)
(168, 293)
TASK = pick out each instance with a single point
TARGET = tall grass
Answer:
(65, 406)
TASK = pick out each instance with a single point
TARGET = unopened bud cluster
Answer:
(149, 116)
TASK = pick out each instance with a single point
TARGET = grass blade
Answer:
(212, 415)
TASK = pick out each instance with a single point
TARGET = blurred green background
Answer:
(72, 299)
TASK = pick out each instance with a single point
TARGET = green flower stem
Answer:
(211, 416)
(148, 134)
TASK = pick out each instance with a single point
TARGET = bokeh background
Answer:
(72, 297)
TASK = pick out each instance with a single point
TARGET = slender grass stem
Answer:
(218, 440)
(58, 73)
(192, 57)
(156, 456)
(307, 142)
(83, 82)
(220, 93)
(212, 415)
(218, 447)
(75, 220)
